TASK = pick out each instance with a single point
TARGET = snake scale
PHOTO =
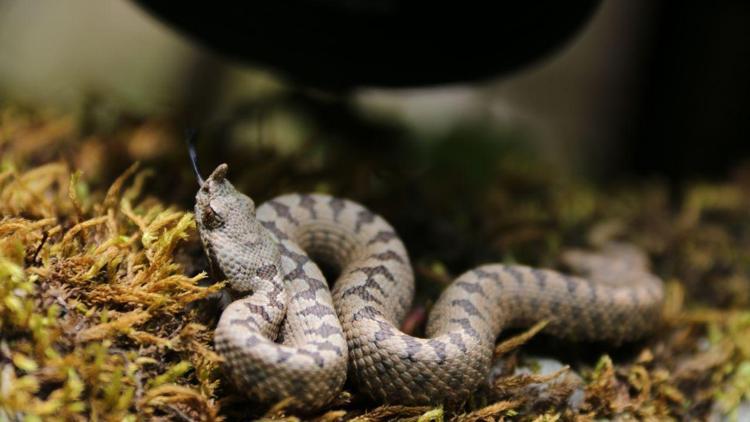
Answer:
(285, 335)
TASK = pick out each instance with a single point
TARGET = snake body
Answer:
(287, 336)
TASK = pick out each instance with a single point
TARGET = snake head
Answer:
(238, 247)
(219, 204)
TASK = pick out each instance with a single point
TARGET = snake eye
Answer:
(211, 218)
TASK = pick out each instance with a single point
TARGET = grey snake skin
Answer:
(285, 335)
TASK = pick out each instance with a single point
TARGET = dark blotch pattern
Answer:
(366, 312)
(282, 210)
(363, 217)
(259, 310)
(364, 294)
(271, 227)
(457, 341)
(324, 330)
(541, 278)
(468, 307)
(439, 348)
(467, 327)
(308, 202)
(337, 205)
(412, 346)
(317, 310)
(371, 272)
(388, 255)
(267, 272)
(470, 287)
(383, 236)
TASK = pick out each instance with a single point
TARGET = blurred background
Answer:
(640, 88)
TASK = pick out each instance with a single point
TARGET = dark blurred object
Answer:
(345, 43)
(691, 110)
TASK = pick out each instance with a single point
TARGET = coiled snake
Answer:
(287, 336)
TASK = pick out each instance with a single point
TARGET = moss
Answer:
(93, 302)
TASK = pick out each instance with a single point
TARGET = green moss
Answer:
(85, 296)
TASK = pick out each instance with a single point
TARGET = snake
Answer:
(286, 336)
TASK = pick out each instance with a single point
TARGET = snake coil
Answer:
(288, 336)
